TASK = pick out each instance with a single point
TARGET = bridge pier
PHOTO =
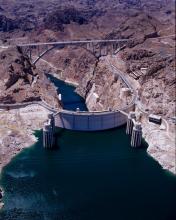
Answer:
(42, 48)
(48, 132)
(100, 49)
(103, 50)
(93, 48)
(30, 53)
(89, 46)
(130, 124)
(112, 49)
(115, 46)
(136, 135)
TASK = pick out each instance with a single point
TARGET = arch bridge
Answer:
(96, 47)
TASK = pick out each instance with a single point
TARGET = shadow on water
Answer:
(92, 176)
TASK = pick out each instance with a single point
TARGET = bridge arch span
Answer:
(43, 53)
(102, 47)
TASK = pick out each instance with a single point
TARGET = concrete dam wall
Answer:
(89, 121)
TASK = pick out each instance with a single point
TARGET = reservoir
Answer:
(91, 176)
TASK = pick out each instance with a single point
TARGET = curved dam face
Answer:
(89, 121)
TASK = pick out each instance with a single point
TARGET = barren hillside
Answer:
(144, 22)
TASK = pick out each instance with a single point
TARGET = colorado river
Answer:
(92, 176)
(70, 99)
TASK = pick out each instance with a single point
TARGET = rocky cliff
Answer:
(21, 81)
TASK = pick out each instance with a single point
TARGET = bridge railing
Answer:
(75, 42)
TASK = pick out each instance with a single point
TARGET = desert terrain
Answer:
(150, 28)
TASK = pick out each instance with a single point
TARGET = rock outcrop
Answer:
(22, 24)
(7, 24)
(21, 81)
(57, 19)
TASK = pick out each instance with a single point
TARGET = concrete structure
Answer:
(130, 123)
(97, 47)
(60, 97)
(173, 120)
(88, 43)
(52, 121)
(48, 136)
(144, 70)
(92, 98)
(155, 119)
(89, 121)
(124, 93)
(136, 135)
(48, 132)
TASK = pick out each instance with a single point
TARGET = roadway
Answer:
(117, 72)
(62, 43)
(77, 42)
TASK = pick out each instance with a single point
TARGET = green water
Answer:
(91, 176)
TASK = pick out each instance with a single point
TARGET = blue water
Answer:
(91, 176)
(70, 99)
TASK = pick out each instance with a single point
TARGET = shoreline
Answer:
(9, 157)
(67, 81)
(59, 75)
(159, 149)
(161, 143)
(8, 160)
(162, 151)
(17, 128)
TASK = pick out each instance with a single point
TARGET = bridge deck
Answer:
(76, 42)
